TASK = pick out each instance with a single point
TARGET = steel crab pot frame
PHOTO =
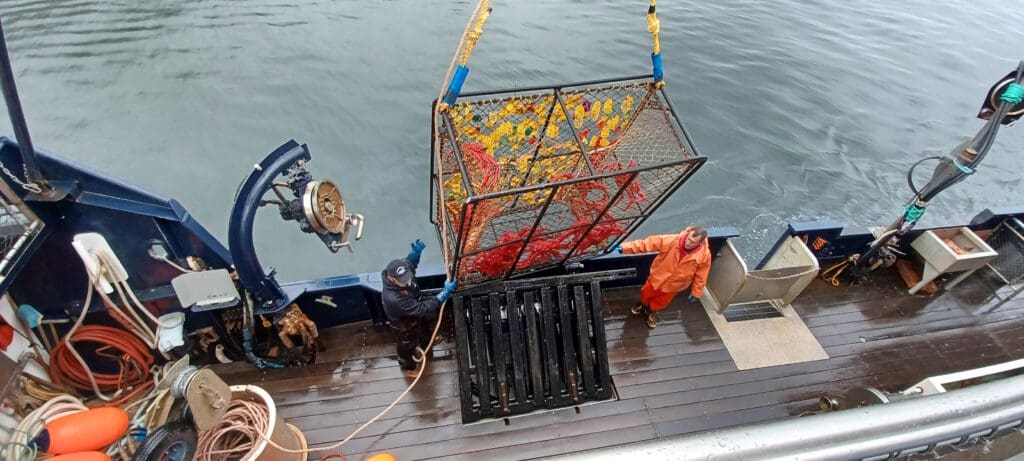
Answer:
(538, 177)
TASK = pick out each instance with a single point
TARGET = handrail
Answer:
(33, 175)
(915, 424)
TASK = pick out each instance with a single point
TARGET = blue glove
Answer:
(616, 248)
(449, 288)
(417, 250)
(692, 299)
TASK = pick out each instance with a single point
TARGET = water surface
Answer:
(806, 109)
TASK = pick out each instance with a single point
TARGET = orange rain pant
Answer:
(656, 300)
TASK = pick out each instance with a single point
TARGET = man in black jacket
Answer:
(412, 318)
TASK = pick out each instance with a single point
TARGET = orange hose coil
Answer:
(65, 369)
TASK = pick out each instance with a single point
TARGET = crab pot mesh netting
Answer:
(542, 178)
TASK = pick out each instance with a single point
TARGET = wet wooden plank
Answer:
(919, 321)
(708, 372)
(914, 329)
(431, 409)
(452, 440)
(920, 361)
(619, 436)
(324, 432)
(656, 363)
(361, 396)
(885, 357)
(909, 354)
(732, 418)
(675, 379)
(325, 374)
(343, 374)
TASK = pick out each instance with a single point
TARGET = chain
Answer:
(31, 187)
(784, 277)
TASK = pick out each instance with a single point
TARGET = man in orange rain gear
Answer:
(683, 261)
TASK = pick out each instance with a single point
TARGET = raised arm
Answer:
(652, 244)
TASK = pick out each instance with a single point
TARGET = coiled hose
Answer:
(135, 361)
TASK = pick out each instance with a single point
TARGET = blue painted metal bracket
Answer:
(196, 228)
(123, 213)
(825, 229)
(834, 243)
(268, 294)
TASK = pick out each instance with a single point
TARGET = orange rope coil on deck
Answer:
(134, 357)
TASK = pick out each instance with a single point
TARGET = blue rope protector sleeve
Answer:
(455, 86)
(912, 212)
(659, 72)
(1013, 94)
(138, 433)
(963, 168)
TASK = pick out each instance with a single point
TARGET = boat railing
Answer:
(875, 432)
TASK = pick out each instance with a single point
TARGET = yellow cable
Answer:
(472, 35)
(38, 389)
(838, 267)
(654, 27)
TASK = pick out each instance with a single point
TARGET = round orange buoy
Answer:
(82, 456)
(381, 457)
(89, 430)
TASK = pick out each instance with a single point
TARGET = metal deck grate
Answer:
(750, 311)
(537, 344)
(1007, 239)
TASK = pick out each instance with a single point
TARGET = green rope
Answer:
(912, 212)
(1013, 94)
(963, 168)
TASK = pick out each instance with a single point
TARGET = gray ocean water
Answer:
(806, 109)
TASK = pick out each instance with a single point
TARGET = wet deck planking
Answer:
(676, 379)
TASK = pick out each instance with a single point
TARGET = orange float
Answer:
(89, 430)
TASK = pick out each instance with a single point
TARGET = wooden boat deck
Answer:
(676, 379)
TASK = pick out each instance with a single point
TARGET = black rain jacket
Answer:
(403, 305)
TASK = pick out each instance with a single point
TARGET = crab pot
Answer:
(540, 177)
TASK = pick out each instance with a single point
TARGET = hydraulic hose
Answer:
(910, 174)
(65, 368)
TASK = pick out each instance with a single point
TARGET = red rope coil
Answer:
(134, 358)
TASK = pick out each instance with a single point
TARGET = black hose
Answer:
(910, 174)
(981, 144)
(989, 137)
